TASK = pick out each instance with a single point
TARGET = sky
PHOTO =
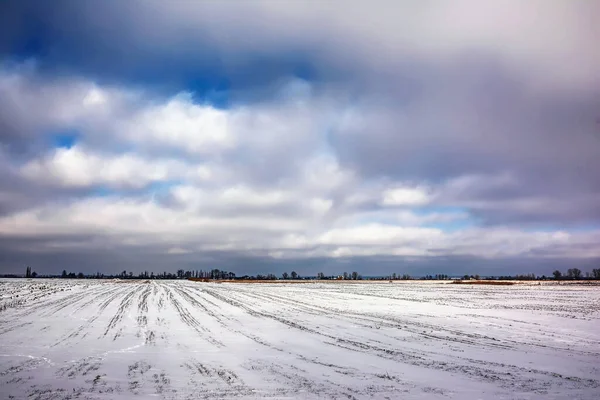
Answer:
(260, 137)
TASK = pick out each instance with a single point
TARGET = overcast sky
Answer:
(415, 137)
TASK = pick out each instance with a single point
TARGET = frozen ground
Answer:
(124, 339)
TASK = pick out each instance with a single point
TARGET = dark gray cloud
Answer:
(471, 121)
(141, 259)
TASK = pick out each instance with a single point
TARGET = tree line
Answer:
(353, 276)
(575, 273)
(217, 274)
(179, 274)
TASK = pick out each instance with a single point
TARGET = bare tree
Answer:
(285, 275)
(557, 274)
(294, 275)
(574, 273)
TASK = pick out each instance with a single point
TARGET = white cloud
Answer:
(142, 218)
(227, 198)
(95, 97)
(320, 206)
(323, 173)
(181, 123)
(35, 104)
(119, 222)
(76, 167)
(376, 234)
(178, 250)
(406, 196)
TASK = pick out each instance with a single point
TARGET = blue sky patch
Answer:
(65, 140)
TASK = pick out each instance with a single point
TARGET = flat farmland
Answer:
(94, 339)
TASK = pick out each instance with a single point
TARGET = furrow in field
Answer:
(370, 320)
(213, 382)
(188, 318)
(180, 340)
(467, 366)
(105, 298)
(126, 302)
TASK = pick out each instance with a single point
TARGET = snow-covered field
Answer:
(177, 339)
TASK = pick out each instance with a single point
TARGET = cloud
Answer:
(78, 168)
(178, 250)
(541, 36)
(405, 196)
(133, 224)
(180, 123)
(302, 134)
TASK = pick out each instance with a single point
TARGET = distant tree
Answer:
(596, 273)
(394, 276)
(28, 272)
(320, 275)
(354, 275)
(285, 275)
(557, 274)
(294, 275)
(574, 273)
(64, 274)
(476, 277)
(34, 274)
(345, 275)
(80, 275)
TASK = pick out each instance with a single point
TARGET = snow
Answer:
(94, 339)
